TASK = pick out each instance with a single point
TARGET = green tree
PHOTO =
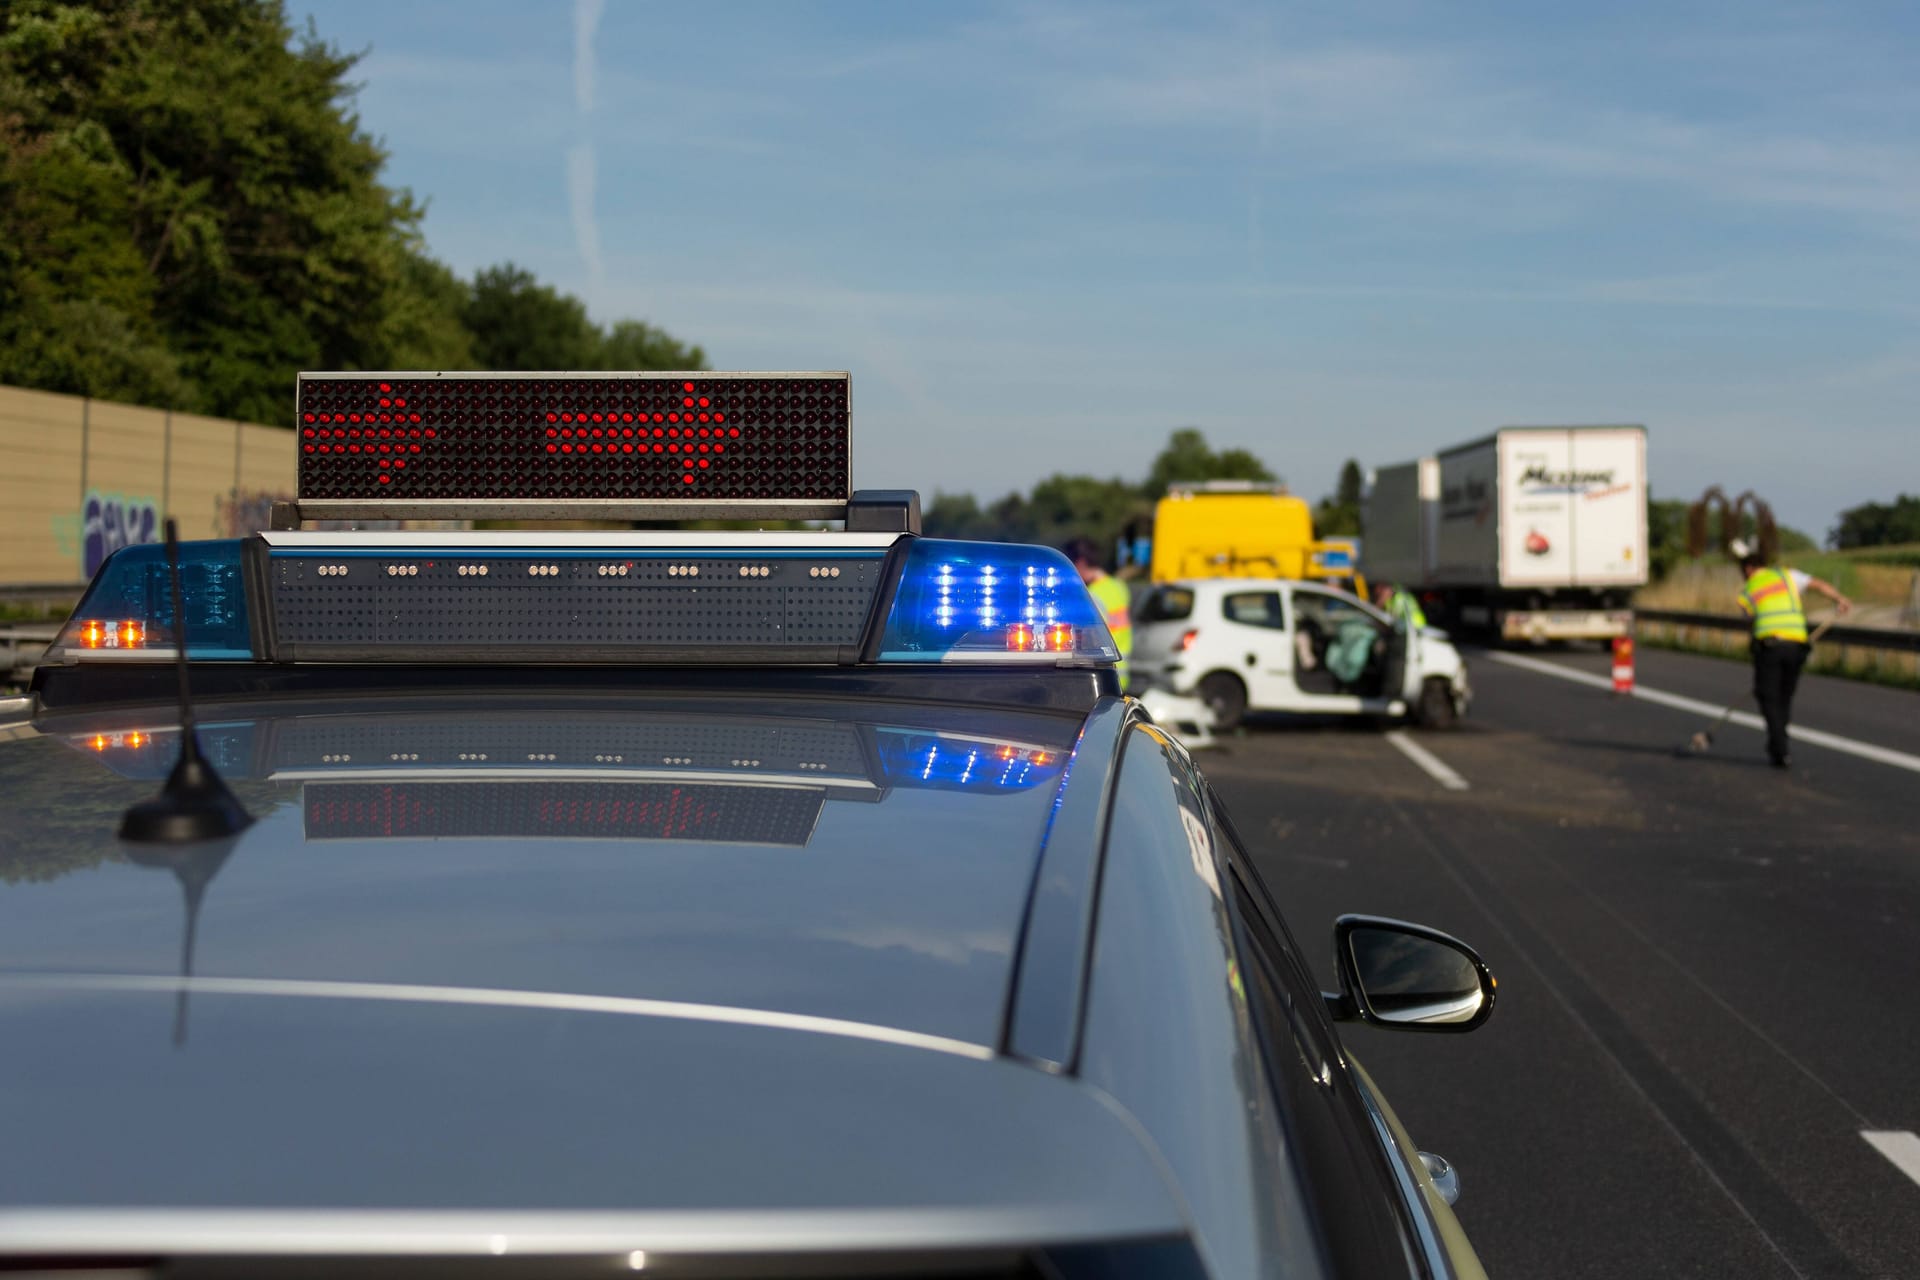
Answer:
(1878, 524)
(1338, 514)
(190, 213)
(519, 323)
(636, 345)
(1187, 459)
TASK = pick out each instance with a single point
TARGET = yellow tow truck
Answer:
(1242, 529)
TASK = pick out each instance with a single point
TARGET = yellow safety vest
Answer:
(1114, 600)
(1402, 605)
(1773, 602)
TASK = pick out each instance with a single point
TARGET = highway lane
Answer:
(1707, 967)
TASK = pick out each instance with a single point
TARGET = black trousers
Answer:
(1776, 673)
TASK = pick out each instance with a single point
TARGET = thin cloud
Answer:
(580, 159)
(586, 228)
(586, 26)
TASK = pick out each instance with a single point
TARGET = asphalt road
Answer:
(1709, 970)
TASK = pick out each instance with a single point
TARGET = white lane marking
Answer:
(1818, 737)
(496, 997)
(1898, 1145)
(1436, 767)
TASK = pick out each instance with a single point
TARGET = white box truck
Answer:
(1532, 533)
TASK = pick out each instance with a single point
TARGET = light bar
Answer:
(993, 602)
(127, 612)
(600, 598)
(436, 445)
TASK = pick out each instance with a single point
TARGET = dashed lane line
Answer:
(1817, 737)
(1898, 1145)
(1436, 767)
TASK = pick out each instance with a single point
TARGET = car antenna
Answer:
(195, 804)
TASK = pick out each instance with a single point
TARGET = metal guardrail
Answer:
(1895, 639)
(21, 648)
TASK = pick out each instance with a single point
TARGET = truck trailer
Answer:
(1531, 533)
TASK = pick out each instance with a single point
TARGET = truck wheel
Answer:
(1436, 709)
(1227, 697)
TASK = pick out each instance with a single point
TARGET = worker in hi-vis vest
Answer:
(1399, 602)
(1775, 600)
(1108, 592)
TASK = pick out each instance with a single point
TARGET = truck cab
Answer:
(1238, 528)
(1287, 645)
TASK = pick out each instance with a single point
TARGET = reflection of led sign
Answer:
(557, 809)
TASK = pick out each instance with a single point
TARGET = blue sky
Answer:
(1043, 235)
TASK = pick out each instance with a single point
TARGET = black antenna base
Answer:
(194, 805)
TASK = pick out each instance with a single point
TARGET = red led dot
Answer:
(386, 434)
(721, 417)
(386, 386)
(386, 479)
(705, 447)
(399, 403)
(309, 417)
(687, 479)
(687, 463)
(627, 432)
(566, 448)
(413, 417)
(657, 433)
(673, 448)
(385, 463)
(596, 431)
(657, 448)
(673, 417)
(733, 432)
(413, 448)
(627, 417)
(626, 448)
(553, 448)
(703, 464)
(353, 448)
(704, 402)
(687, 403)
(566, 417)
(308, 433)
(598, 418)
(551, 433)
(658, 418)
(401, 466)
(597, 448)
(386, 448)
(308, 448)
(686, 386)
(706, 417)
(353, 417)
(553, 417)
(384, 402)
(719, 448)
(430, 433)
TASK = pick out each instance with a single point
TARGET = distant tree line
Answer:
(1064, 506)
(190, 213)
(1878, 524)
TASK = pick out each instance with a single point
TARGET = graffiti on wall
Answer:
(110, 521)
(245, 511)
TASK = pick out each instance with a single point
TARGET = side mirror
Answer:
(1408, 977)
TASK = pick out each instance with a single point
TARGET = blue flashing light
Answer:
(988, 602)
(128, 608)
(940, 762)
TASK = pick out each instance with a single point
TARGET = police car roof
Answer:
(704, 939)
